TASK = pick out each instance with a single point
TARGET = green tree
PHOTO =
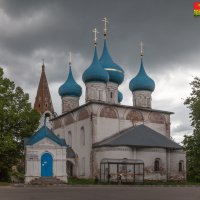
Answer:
(17, 120)
(192, 143)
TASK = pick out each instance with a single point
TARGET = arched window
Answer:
(180, 166)
(83, 167)
(157, 165)
(69, 138)
(82, 136)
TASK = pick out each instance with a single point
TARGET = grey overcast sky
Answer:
(33, 30)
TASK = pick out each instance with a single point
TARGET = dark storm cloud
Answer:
(168, 29)
(32, 30)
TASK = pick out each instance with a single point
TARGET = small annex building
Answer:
(45, 155)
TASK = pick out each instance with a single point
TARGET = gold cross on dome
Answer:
(105, 20)
(70, 57)
(95, 34)
(141, 48)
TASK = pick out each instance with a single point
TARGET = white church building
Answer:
(102, 138)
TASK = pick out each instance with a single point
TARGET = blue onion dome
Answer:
(95, 72)
(116, 73)
(70, 87)
(120, 97)
(142, 81)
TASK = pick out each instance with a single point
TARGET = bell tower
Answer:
(43, 103)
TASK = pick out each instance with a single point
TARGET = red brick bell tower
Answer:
(43, 103)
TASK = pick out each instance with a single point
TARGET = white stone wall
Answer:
(98, 91)
(112, 92)
(95, 91)
(69, 103)
(168, 160)
(142, 98)
(149, 155)
(105, 127)
(98, 128)
(160, 128)
(175, 157)
(82, 151)
(33, 159)
(113, 153)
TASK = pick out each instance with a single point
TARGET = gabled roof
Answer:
(139, 136)
(44, 132)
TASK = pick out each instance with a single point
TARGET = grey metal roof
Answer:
(139, 136)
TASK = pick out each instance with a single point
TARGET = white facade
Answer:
(112, 93)
(101, 121)
(142, 98)
(69, 103)
(33, 161)
(95, 91)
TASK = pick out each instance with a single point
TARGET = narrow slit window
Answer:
(111, 95)
(180, 166)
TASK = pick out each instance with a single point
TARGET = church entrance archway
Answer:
(46, 165)
(70, 168)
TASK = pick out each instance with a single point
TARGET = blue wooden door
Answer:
(47, 165)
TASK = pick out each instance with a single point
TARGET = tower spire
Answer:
(43, 64)
(105, 20)
(43, 100)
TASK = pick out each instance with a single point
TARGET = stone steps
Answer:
(47, 181)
